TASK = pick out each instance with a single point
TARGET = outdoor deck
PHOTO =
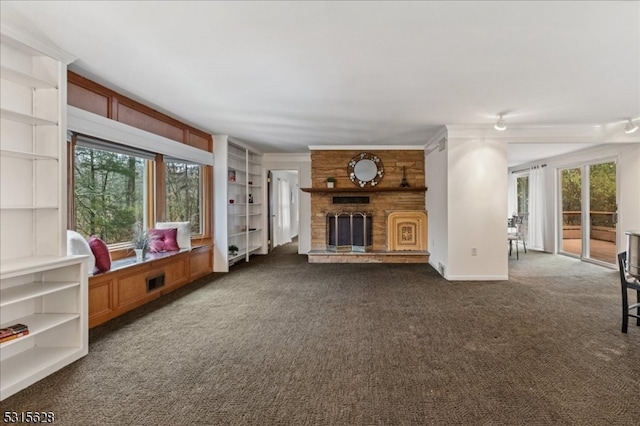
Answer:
(604, 251)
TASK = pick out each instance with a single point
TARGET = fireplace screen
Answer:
(349, 231)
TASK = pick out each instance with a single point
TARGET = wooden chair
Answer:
(627, 284)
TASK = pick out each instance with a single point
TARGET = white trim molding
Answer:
(11, 35)
(366, 147)
(90, 124)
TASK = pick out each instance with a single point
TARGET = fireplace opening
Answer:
(349, 231)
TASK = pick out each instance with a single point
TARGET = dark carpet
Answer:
(279, 341)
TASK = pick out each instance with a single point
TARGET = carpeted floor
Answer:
(280, 341)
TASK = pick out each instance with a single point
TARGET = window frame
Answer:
(155, 200)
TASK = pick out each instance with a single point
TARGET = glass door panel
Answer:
(602, 213)
(571, 196)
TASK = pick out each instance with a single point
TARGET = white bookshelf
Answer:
(39, 285)
(239, 207)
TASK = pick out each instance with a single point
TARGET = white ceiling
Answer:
(285, 75)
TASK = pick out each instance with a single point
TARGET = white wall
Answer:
(476, 199)
(466, 203)
(301, 163)
(437, 208)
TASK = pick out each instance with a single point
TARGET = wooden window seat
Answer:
(125, 287)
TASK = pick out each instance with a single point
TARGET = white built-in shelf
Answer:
(23, 292)
(28, 207)
(10, 268)
(40, 286)
(34, 362)
(247, 166)
(26, 118)
(27, 155)
(26, 79)
(39, 323)
(233, 155)
(240, 254)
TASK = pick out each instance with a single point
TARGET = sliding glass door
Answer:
(603, 212)
(589, 212)
(571, 202)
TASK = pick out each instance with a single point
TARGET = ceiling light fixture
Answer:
(630, 127)
(500, 125)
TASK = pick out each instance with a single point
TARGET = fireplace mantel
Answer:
(357, 189)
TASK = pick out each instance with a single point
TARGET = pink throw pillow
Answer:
(163, 240)
(101, 253)
(171, 239)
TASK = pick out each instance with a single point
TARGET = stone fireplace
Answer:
(349, 223)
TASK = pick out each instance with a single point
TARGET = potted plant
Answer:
(140, 241)
(330, 181)
(233, 249)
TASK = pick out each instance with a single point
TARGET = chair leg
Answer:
(517, 251)
(638, 301)
(525, 245)
(625, 309)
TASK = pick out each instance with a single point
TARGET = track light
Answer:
(500, 124)
(630, 127)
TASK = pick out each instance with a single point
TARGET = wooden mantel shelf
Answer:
(366, 189)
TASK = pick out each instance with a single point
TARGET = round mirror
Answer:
(365, 168)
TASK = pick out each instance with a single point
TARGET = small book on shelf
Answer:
(14, 336)
(13, 332)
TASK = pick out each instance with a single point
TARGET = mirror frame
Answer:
(365, 156)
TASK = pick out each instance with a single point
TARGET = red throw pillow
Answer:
(101, 252)
(163, 240)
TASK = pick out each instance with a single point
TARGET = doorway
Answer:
(588, 217)
(283, 194)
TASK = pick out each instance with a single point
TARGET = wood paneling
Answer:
(201, 141)
(128, 114)
(88, 100)
(334, 163)
(100, 300)
(113, 293)
(90, 96)
(201, 262)
(176, 273)
(133, 287)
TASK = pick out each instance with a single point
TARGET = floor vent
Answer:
(155, 282)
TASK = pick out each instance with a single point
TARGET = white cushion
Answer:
(184, 232)
(76, 244)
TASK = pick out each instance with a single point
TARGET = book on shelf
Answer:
(13, 332)
(14, 336)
